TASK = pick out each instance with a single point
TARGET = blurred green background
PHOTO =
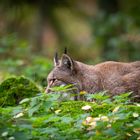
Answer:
(31, 31)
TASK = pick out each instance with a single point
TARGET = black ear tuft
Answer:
(56, 59)
(65, 50)
(67, 62)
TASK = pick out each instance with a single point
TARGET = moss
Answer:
(75, 108)
(14, 89)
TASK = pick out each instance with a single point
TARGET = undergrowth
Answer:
(46, 117)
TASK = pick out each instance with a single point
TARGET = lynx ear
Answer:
(67, 62)
(56, 59)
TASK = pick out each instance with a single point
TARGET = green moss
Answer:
(14, 89)
(75, 108)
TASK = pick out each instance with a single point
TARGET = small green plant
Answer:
(104, 97)
(66, 92)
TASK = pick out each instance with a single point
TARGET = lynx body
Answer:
(114, 77)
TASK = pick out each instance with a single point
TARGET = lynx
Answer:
(110, 76)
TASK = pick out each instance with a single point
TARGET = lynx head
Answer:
(63, 73)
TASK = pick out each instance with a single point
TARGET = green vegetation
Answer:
(35, 68)
(100, 30)
(46, 117)
(14, 89)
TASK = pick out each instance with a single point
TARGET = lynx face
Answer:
(64, 73)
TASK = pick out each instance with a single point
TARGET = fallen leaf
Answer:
(87, 107)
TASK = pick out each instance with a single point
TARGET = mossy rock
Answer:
(14, 89)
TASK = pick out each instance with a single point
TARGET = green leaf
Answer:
(67, 119)
(34, 101)
(24, 100)
(49, 130)
(109, 132)
(33, 110)
(17, 110)
(62, 88)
